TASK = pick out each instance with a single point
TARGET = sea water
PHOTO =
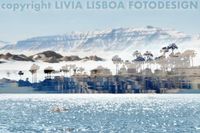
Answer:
(100, 113)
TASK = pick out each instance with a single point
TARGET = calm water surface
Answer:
(100, 113)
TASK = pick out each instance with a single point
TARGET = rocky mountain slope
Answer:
(108, 40)
(3, 44)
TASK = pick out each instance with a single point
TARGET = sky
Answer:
(16, 25)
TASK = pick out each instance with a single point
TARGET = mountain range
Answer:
(46, 56)
(3, 44)
(111, 40)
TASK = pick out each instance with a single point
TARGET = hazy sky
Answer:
(16, 26)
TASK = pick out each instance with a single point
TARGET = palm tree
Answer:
(162, 61)
(149, 57)
(177, 60)
(72, 68)
(123, 70)
(34, 68)
(20, 73)
(75, 69)
(65, 69)
(81, 70)
(189, 55)
(136, 54)
(127, 63)
(117, 60)
(139, 60)
(164, 50)
(173, 46)
(172, 57)
(48, 71)
(8, 74)
(193, 54)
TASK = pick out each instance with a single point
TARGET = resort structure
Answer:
(144, 74)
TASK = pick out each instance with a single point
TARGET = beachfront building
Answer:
(100, 71)
(144, 74)
(187, 71)
(192, 74)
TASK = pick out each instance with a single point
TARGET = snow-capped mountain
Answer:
(2, 43)
(120, 39)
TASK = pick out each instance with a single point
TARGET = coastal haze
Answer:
(101, 43)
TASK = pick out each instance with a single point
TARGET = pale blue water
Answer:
(100, 113)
